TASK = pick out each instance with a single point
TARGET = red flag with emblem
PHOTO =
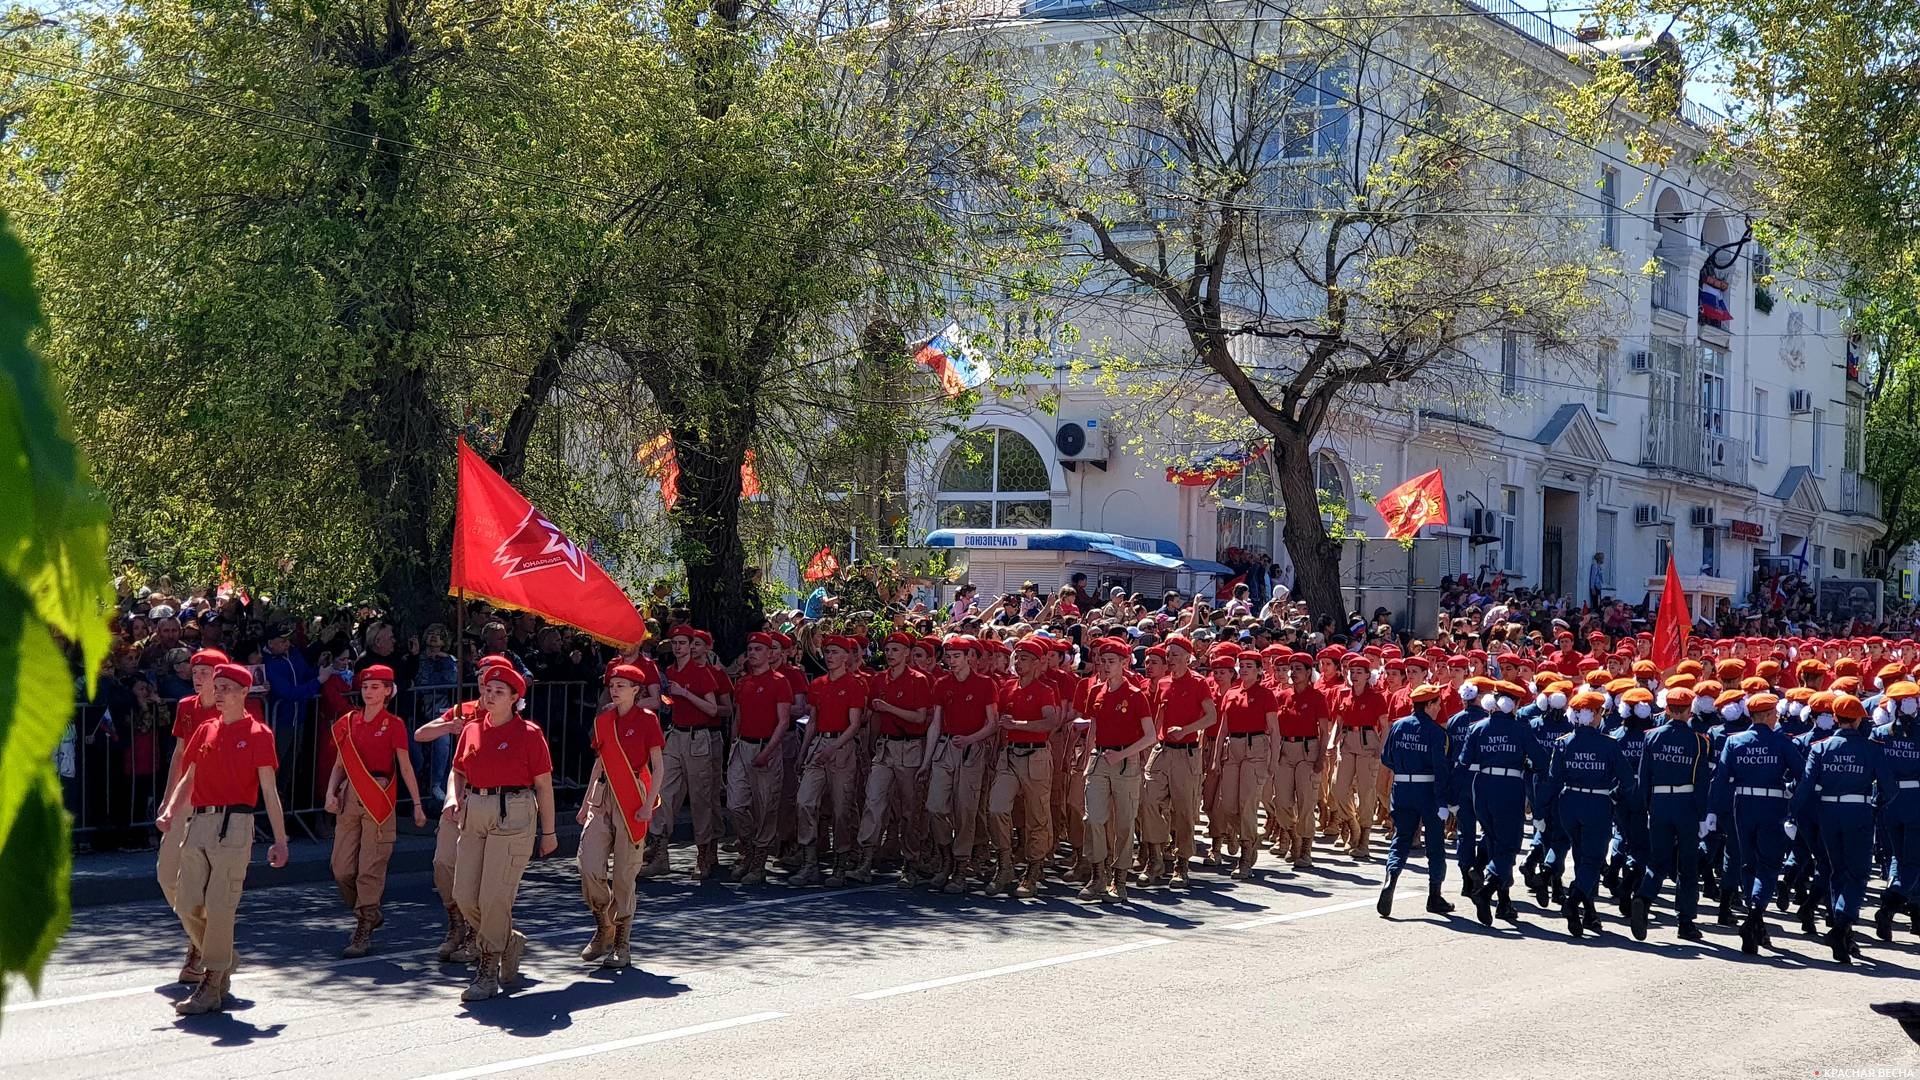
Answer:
(1412, 506)
(822, 566)
(507, 553)
(1671, 628)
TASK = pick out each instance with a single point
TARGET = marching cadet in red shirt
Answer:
(228, 764)
(1303, 723)
(1360, 711)
(502, 781)
(460, 944)
(1068, 749)
(690, 770)
(1029, 713)
(901, 701)
(615, 815)
(1248, 749)
(965, 714)
(763, 701)
(372, 742)
(188, 715)
(1122, 727)
(1223, 668)
(1185, 711)
(839, 700)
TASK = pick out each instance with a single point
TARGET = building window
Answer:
(1760, 420)
(1606, 523)
(1610, 208)
(1246, 516)
(994, 479)
(1710, 552)
(1330, 479)
(1317, 114)
(1819, 442)
(1510, 529)
(1713, 403)
(1839, 558)
(1604, 365)
(1856, 427)
(1510, 364)
(1662, 551)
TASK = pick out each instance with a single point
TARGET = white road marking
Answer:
(1051, 961)
(602, 1048)
(1291, 916)
(550, 937)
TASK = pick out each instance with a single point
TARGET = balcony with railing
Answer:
(1859, 495)
(1689, 448)
(1670, 292)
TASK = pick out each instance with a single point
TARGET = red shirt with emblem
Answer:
(509, 755)
(758, 699)
(963, 705)
(833, 701)
(1366, 709)
(1302, 709)
(1244, 709)
(1028, 703)
(1183, 701)
(695, 679)
(378, 739)
(638, 731)
(190, 714)
(912, 690)
(722, 682)
(226, 760)
(1116, 715)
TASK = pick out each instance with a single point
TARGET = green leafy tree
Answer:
(53, 581)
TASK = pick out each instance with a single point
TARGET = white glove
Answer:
(1539, 829)
(1792, 830)
(1705, 829)
(1443, 813)
(1712, 823)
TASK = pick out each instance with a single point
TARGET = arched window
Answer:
(1330, 478)
(1245, 519)
(994, 479)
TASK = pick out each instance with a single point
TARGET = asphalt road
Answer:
(1291, 975)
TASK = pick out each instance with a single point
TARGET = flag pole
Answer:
(460, 643)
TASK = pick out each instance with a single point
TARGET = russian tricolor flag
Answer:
(956, 365)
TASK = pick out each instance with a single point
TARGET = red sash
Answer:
(377, 800)
(630, 786)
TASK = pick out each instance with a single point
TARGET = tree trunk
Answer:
(1315, 555)
(707, 516)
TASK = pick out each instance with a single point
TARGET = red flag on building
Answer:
(1671, 628)
(1412, 506)
(822, 566)
(506, 553)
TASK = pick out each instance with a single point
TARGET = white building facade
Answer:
(1713, 419)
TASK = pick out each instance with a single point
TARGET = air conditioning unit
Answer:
(1800, 402)
(1483, 525)
(1646, 514)
(1703, 517)
(1081, 440)
(1640, 360)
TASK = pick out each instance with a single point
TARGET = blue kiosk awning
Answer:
(1159, 554)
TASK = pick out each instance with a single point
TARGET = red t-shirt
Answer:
(509, 755)
(695, 679)
(963, 705)
(758, 699)
(722, 682)
(912, 690)
(378, 739)
(796, 680)
(226, 760)
(638, 732)
(833, 701)
(1301, 712)
(1183, 701)
(1116, 715)
(1064, 683)
(1366, 709)
(190, 714)
(1244, 710)
(1028, 703)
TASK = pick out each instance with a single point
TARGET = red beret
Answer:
(210, 658)
(703, 637)
(961, 643)
(377, 673)
(682, 630)
(899, 637)
(629, 672)
(1181, 641)
(1113, 646)
(1157, 650)
(780, 639)
(1034, 647)
(234, 673)
(762, 639)
(1358, 662)
(501, 673)
(931, 644)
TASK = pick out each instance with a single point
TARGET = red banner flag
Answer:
(822, 566)
(1412, 506)
(506, 553)
(1671, 628)
(657, 456)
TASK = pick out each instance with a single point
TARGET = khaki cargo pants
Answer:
(1172, 797)
(215, 849)
(1112, 798)
(1296, 786)
(753, 795)
(1244, 771)
(953, 796)
(361, 848)
(827, 775)
(689, 773)
(894, 792)
(494, 850)
(1025, 773)
(606, 841)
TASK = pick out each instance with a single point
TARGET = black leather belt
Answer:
(1106, 749)
(754, 742)
(898, 738)
(1245, 734)
(1025, 749)
(694, 727)
(1179, 746)
(503, 792)
(1298, 738)
(226, 812)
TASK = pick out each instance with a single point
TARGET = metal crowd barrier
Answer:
(112, 767)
